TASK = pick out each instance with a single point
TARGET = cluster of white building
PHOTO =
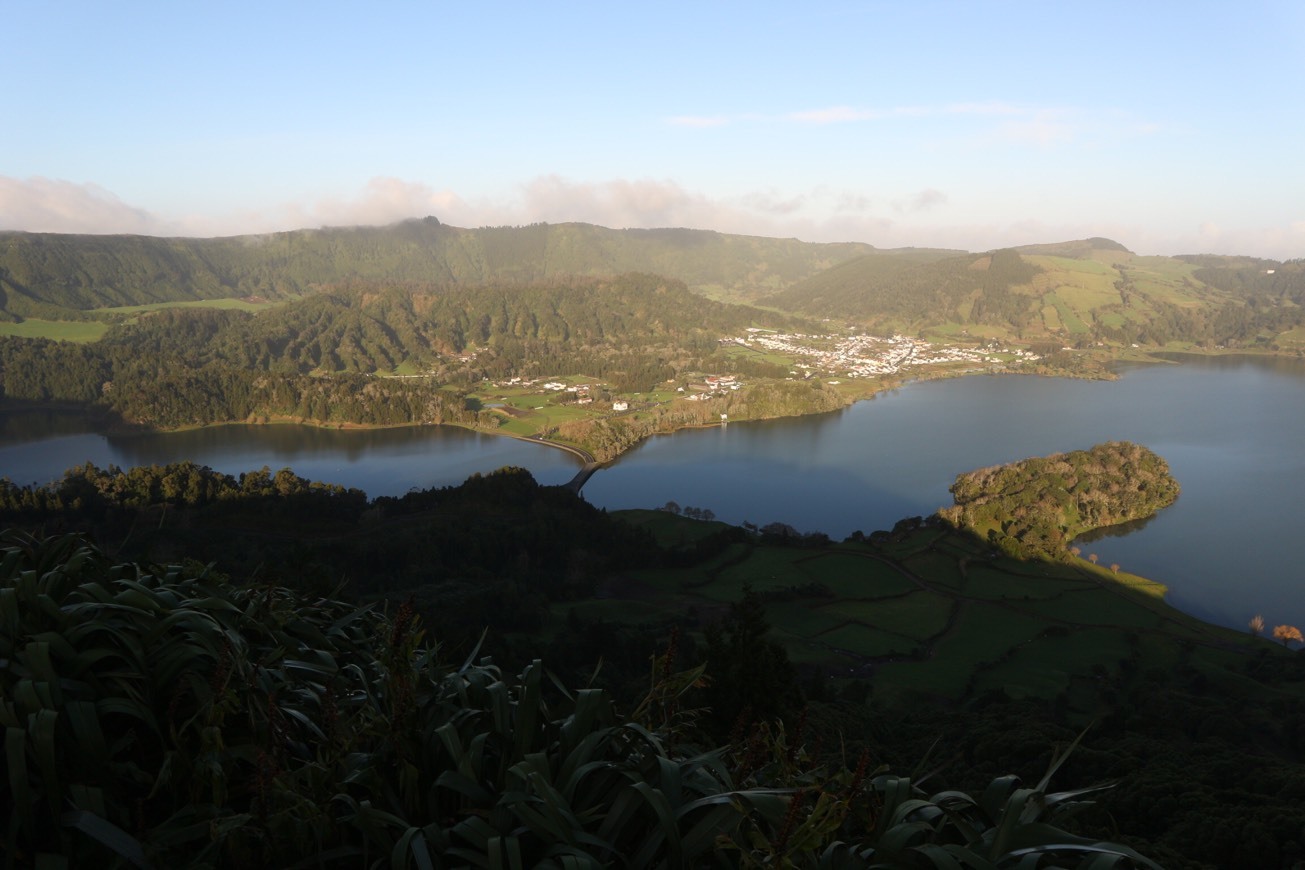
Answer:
(859, 356)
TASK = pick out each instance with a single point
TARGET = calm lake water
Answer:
(1231, 429)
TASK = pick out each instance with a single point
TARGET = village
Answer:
(850, 356)
(863, 356)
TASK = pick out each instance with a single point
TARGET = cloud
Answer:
(770, 202)
(922, 201)
(46, 205)
(820, 214)
(848, 201)
(619, 203)
(383, 200)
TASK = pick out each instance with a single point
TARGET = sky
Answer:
(1171, 127)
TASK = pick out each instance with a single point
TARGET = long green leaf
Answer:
(108, 834)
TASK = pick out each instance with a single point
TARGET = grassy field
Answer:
(93, 330)
(58, 330)
(529, 409)
(929, 612)
(225, 303)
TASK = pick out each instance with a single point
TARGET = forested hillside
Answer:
(313, 359)
(56, 276)
(1080, 293)
(900, 290)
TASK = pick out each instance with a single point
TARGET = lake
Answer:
(1230, 428)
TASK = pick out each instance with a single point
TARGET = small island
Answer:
(1037, 507)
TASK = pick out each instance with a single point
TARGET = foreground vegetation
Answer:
(889, 641)
(165, 717)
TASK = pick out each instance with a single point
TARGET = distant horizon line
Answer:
(426, 218)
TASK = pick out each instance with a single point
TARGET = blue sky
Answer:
(1170, 127)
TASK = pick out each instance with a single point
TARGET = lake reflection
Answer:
(1230, 428)
(378, 461)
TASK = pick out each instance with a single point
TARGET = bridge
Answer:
(582, 476)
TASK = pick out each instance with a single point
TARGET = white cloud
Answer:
(643, 203)
(922, 201)
(821, 214)
(46, 205)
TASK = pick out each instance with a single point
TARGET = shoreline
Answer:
(117, 426)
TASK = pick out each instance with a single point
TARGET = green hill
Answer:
(55, 276)
(1081, 293)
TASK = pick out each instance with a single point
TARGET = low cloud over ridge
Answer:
(820, 214)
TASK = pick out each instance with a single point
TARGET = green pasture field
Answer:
(938, 567)
(406, 368)
(951, 331)
(1095, 607)
(660, 396)
(859, 641)
(759, 355)
(796, 618)
(1080, 284)
(1165, 292)
(1292, 337)
(1054, 264)
(1147, 587)
(537, 410)
(80, 331)
(956, 638)
(226, 303)
(1045, 667)
(1162, 271)
(981, 635)
(920, 615)
(768, 568)
(986, 582)
(851, 576)
(1051, 318)
(1073, 323)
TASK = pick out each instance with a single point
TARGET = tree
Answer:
(1256, 625)
(671, 507)
(1093, 557)
(1287, 634)
(1114, 566)
(751, 674)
